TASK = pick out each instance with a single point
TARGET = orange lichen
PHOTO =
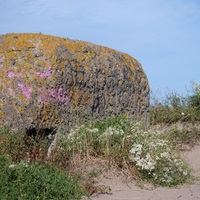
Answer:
(31, 63)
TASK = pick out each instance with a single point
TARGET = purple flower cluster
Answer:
(53, 95)
(45, 95)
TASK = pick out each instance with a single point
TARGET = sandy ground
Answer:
(130, 191)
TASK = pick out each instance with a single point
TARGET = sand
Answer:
(130, 191)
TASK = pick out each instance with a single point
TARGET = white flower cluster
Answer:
(73, 132)
(173, 167)
(94, 130)
(158, 143)
(76, 137)
(151, 151)
(165, 155)
(146, 163)
(179, 167)
(113, 131)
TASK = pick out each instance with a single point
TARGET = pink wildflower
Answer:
(11, 74)
(26, 90)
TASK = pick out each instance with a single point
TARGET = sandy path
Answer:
(120, 190)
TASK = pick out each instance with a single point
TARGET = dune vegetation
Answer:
(117, 144)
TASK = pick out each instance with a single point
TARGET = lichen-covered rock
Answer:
(47, 81)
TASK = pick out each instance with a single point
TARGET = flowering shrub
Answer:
(118, 142)
(155, 158)
(150, 151)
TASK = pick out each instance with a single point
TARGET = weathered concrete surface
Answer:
(48, 81)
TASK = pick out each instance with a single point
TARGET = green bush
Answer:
(35, 181)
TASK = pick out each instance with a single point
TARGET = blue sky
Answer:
(164, 36)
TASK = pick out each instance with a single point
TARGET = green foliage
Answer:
(120, 141)
(126, 143)
(174, 100)
(119, 122)
(151, 153)
(175, 108)
(168, 115)
(29, 177)
(156, 159)
(103, 139)
(194, 101)
(35, 181)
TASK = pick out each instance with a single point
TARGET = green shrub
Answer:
(35, 181)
